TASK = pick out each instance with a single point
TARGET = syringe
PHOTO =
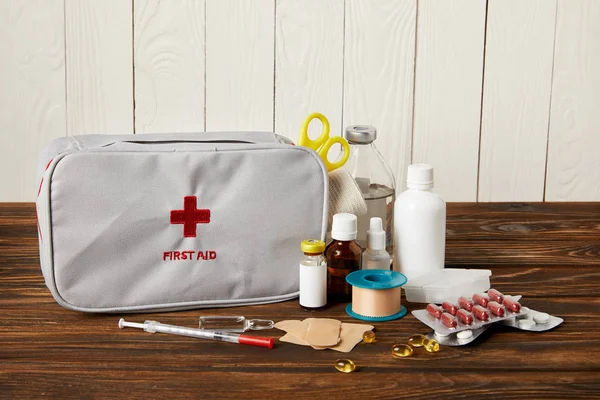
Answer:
(155, 326)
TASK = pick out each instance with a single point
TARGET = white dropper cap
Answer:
(420, 177)
(375, 234)
(344, 226)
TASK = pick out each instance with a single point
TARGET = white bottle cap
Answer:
(375, 234)
(420, 176)
(344, 226)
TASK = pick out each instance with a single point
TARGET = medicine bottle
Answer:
(419, 225)
(343, 256)
(375, 180)
(313, 275)
(375, 256)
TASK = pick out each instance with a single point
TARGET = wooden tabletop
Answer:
(548, 253)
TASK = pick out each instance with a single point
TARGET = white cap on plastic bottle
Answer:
(420, 176)
(344, 226)
(375, 234)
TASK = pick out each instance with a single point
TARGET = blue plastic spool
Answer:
(376, 279)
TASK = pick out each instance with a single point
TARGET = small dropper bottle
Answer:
(375, 257)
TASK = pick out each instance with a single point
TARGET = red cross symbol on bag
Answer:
(190, 216)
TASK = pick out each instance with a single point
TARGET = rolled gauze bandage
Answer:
(376, 295)
(344, 195)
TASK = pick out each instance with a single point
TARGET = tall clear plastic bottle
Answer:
(375, 179)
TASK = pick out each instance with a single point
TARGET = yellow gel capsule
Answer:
(402, 350)
(417, 340)
(369, 337)
(431, 345)
(345, 366)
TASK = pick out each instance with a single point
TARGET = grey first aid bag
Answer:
(176, 221)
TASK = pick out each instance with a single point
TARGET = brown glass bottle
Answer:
(343, 256)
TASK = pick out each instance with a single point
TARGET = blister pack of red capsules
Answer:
(481, 310)
(457, 324)
(469, 313)
(468, 335)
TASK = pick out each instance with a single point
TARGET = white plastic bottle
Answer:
(419, 225)
(375, 257)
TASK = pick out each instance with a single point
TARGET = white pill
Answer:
(464, 334)
(526, 324)
(441, 334)
(541, 318)
(524, 313)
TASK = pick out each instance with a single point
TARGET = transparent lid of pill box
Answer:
(447, 284)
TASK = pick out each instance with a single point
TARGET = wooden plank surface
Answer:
(169, 56)
(283, 382)
(99, 66)
(308, 64)
(518, 234)
(32, 90)
(573, 169)
(379, 51)
(66, 354)
(240, 65)
(516, 99)
(448, 80)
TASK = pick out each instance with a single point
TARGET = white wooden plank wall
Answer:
(309, 38)
(501, 96)
(99, 68)
(378, 74)
(169, 59)
(574, 145)
(449, 70)
(240, 65)
(516, 99)
(32, 90)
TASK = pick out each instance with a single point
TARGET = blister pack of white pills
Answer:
(534, 321)
(457, 339)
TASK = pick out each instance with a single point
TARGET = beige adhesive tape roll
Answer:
(376, 303)
(376, 295)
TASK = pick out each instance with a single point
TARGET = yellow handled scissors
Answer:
(323, 143)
